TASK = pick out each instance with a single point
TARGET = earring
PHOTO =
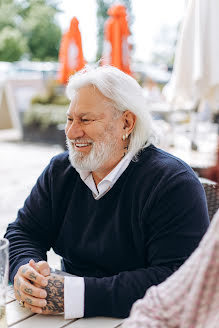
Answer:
(124, 137)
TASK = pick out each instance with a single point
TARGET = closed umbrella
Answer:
(195, 77)
(70, 54)
(116, 32)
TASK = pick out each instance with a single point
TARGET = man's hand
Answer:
(29, 285)
(40, 291)
(55, 295)
(54, 289)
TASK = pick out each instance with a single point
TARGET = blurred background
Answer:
(43, 42)
(170, 47)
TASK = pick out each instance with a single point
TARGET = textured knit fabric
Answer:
(190, 297)
(134, 237)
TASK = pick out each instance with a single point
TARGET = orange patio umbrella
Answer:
(116, 50)
(70, 53)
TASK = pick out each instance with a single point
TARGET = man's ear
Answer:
(129, 121)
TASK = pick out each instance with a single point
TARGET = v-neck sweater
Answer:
(134, 237)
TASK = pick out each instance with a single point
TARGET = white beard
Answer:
(99, 154)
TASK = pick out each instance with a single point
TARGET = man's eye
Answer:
(85, 120)
(69, 119)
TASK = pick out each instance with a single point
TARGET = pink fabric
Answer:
(190, 297)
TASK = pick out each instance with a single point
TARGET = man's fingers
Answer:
(32, 308)
(32, 290)
(31, 274)
(43, 268)
(22, 285)
(33, 265)
(25, 289)
(33, 301)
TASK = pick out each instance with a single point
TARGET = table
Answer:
(18, 317)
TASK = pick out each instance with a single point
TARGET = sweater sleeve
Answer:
(173, 223)
(30, 234)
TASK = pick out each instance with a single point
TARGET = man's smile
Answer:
(82, 146)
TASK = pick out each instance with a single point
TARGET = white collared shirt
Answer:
(107, 183)
(74, 287)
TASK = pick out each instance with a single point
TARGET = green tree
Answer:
(12, 44)
(42, 32)
(102, 8)
(9, 14)
(27, 5)
(35, 21)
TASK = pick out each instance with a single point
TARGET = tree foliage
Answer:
(8, 14)
(42, 33)
(12, 44)
(102, 8)
(34, 22)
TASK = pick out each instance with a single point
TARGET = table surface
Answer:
(19, 317)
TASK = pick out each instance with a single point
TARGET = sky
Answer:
(149, 17)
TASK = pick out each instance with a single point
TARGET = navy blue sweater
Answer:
(134, 237)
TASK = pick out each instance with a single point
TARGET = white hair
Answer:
(125, 94)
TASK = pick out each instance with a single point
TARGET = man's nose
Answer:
(74, 130)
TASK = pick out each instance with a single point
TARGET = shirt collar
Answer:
(107, 182)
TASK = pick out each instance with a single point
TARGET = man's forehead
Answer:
(89, 100)
(90, 92)
(80, 113)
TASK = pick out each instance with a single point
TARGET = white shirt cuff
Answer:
(74, 297)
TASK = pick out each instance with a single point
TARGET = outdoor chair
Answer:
(212, 194)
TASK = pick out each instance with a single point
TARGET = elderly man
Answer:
(123, 214)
